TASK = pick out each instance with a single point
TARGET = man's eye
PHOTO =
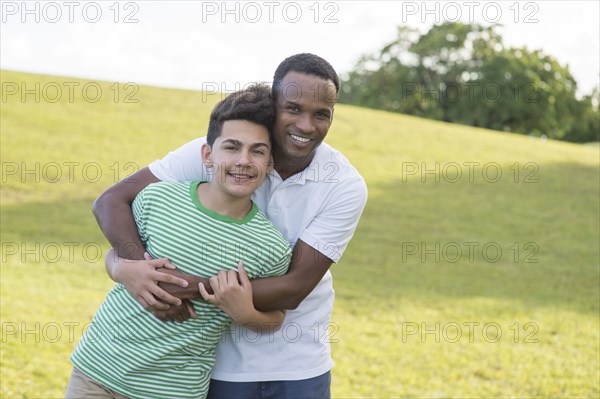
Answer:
(230, 148)
(259, 152)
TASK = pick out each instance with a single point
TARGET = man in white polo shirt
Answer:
(314, 197)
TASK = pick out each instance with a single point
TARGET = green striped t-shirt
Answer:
(126, 348)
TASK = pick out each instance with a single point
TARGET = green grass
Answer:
(394, 287)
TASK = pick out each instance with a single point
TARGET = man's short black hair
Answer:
(254, 104)
(308, 64)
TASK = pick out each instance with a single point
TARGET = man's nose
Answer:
(305, 124)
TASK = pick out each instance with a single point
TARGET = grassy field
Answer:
(474, 272)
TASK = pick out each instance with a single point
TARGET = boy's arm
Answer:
(233, 295)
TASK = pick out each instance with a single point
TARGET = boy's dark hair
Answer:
(253, 104)
(308, 64)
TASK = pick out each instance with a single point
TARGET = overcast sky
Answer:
(194, 44)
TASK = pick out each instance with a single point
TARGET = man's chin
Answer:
(300, 154)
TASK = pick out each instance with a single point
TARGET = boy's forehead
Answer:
(244, 131)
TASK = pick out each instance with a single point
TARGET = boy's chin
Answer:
(241, 190)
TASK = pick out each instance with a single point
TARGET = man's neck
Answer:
(286, 168)
(223, 204)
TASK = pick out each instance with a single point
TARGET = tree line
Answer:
(463, 73)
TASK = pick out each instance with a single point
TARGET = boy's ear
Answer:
(270, 165)
(207, 156)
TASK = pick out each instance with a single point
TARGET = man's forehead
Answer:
(301, 88)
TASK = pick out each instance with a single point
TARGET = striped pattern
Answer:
(128, 350)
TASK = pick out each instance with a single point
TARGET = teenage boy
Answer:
(314, 197)
(203, 227)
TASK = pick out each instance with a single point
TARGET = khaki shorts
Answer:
(83, 387)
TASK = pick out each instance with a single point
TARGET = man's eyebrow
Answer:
(287, 102)
(259, 145)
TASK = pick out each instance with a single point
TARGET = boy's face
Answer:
(240, 157)
(304, 113)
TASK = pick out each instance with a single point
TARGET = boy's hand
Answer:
(141, 278)
(231, 295)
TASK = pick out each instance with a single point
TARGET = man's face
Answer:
(304, 113)
(240, 157)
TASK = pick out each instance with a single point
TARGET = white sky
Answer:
(195, 44)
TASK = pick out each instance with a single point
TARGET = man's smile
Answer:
(300, 139)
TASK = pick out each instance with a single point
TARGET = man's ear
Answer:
(207, 156)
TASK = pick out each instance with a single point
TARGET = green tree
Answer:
(463, 73)
(586, 125)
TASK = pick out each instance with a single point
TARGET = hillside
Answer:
(474, 271)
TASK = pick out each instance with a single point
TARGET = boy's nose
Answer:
(244, 158)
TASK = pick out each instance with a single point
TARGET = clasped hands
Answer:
(167, 293)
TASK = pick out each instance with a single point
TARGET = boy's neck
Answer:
(217, 201)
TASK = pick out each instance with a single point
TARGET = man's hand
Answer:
(177, 314)
(141, 278)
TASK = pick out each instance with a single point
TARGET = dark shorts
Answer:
(312, 388)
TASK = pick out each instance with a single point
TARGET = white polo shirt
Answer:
(321, 206)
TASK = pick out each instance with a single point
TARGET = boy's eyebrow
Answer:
(239, 143)
(232, 141)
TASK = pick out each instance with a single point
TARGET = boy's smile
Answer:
(240, 159)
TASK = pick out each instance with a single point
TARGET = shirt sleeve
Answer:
(332, 229)
(140, 214)
(183, 164)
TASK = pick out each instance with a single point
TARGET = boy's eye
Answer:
(293, 108)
